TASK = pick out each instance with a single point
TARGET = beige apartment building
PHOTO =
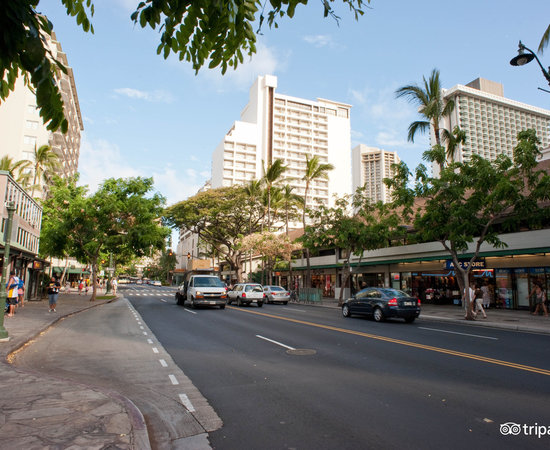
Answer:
(22, 129)
(370, 166)
(491, 121)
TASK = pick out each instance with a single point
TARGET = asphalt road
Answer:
(357, 384)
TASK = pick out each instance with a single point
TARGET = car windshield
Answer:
(208, 282)
(276, 288)
(256, 288)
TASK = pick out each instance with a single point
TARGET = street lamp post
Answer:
(10, 206)
(525, 56)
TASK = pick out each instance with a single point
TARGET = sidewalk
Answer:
(43, 412)
(496, 318)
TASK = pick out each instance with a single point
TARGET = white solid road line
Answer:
(292, 309)
(189, 311)
(275, 342)
(173, 379)
(455, 332)
(187, 403)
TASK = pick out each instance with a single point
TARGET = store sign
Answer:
(479, 264)
(37, 265)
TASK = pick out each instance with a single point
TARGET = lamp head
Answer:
(522, 58)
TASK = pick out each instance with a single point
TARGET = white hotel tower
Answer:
(275, 126)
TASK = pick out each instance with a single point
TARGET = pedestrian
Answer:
(12, 293)
(486, 291)
(114, 285)
(478, 299)
(53, 291)
(21, 292)
(80, 286)
(539, 296)
(67, 287)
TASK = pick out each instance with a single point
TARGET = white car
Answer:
(156, 283)
(246, 293)
(202, 290)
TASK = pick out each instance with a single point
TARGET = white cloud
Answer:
(157, 96)
(320, 40)
(100, 160)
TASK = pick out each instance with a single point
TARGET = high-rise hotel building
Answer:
(22, 129)
(491, 121)
(276, 126)
(370, 167)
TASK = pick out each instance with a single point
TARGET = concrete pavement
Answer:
(40, 411)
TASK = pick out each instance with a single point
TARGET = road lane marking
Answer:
(155, 350)
(145, 333)
(275, 342)
(149, 341)
(162, 300)
(189, 311)
(187, 403)
(292, 309)
(401, 342)
(456, 332)
(163, 363)
(173, 379)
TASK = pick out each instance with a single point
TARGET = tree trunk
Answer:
(347, 271)
(94, 281)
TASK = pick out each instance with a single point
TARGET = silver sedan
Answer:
(276, 294)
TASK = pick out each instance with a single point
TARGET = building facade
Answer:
(370, 166)
(22, 129)
(275, 126)
(491, 121)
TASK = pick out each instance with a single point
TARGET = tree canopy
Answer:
(120, 217)
(213, 32)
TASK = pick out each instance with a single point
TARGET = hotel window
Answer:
(31, 124)
(29, 140)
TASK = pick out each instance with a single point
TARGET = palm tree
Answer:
(314, 170)
(289, 201)
(453, 140)
(16, 169)
(271, 175)
(431, 105)
(45, 161)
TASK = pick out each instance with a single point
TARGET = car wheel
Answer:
(222, 306)
(260, 304)
(193, 304)
(410, 319)
(178, 301)
(285, 303)
(239, 302)
(346, 311)
(378, 315)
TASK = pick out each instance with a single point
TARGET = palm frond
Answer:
(544, 41)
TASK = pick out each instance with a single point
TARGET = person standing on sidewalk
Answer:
(486, 295)
(539, 299)
(12, 293)
(478, 299)
(114, 285)
(21, 292)
(53, 291)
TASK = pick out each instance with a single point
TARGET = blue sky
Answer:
(147, 116)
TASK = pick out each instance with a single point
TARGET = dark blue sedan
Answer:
(381, 304)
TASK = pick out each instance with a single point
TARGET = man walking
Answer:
(13, 293)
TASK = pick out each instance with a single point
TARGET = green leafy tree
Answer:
(220, 217)
(213, 32)
(354, 225)
(315, 170)
(272, 175)
(474, 202)
(122, 216)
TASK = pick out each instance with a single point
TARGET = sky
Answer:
(147, 116)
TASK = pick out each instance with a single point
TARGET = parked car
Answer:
(156, 283)
(382, 303)
(246, 293)
(202, 290)
(276, 294)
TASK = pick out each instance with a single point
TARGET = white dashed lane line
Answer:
(173, 379)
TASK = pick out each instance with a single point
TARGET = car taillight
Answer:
(244, 295)
(418, 300)
(392, 302)
(264, 294)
